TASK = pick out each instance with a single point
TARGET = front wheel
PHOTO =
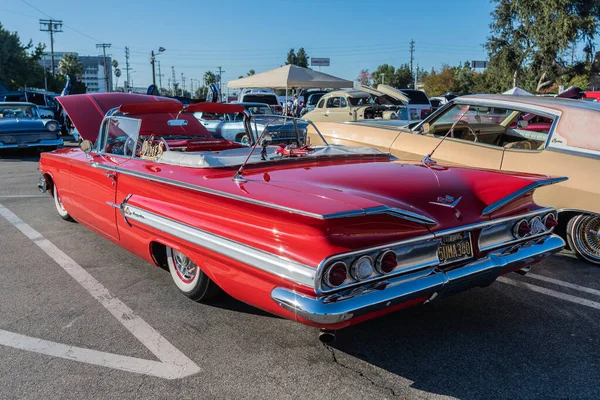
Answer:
(189, 278)
(64, 214)
(583, 236)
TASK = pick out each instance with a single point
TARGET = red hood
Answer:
(353, 187)
(86, 111)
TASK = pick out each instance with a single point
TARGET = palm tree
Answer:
(70, 65)
(117, 72)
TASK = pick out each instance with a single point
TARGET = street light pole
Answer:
(153, 71)
(152, 61)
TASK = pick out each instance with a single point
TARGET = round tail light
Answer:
(521, 229)
(336, 274)
(387, 262)
(362, 268)
(537, 226)
(550, 222)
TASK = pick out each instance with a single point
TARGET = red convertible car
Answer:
(328, 236)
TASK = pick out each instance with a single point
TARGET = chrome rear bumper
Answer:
(342, 306)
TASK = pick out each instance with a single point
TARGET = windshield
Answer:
(416, 96)
(18, 111)
(269, 99)
(260, 110)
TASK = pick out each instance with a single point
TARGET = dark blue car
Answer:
(21, 127)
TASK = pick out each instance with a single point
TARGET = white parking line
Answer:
(175, 363)
(564, 284)
(21, 196)
(552, 293)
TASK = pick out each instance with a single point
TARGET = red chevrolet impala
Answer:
(328, 236)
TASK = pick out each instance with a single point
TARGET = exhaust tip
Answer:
(523, 271)
(326, 337)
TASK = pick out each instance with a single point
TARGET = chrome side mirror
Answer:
(86, 147)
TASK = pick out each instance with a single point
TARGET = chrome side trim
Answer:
(485, 224)
(515, 195)
(587, 212)
(355, 302)
(288, 269)
(408, 215)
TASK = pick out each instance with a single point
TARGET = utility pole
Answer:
(159, 78)
(220, 82)
(412, 58)
(103, 46)
(52, 26)
(127, 68)
(182, 84)
(174, 81)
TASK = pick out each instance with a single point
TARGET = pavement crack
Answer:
(359, 373)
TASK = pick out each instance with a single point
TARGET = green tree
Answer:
(403, 77)
(209, 77)
(528, 38)
(384, 74)
(70, 65)
(301, 58)
(464, 79)
(251, 72)
(291, 57)
(19, 63)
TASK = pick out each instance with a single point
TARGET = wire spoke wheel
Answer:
(584, 235)
(186, 269)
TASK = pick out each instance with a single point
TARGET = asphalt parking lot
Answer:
(83, 318)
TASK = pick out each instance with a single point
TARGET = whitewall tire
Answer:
(62, 211)
(189, 278)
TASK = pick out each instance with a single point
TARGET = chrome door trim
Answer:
(285, 268)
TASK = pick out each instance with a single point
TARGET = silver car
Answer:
(231, 126)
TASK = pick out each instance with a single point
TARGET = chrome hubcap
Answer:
(186, 269)
(588, 237)
(60, 204)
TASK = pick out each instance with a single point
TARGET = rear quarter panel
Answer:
(581, 191)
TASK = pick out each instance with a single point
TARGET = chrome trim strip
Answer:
(573, 152)
(588, 212)
(396, 212)
(515, 195)
(288, 269)
(355, 302)
(485, 224)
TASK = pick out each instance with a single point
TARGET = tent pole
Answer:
(286, 97)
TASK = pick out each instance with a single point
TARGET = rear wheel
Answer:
(59, 206)
(583, 236)
(189, 278)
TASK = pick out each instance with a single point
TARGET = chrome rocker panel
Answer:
(434, 283)
(39, 143)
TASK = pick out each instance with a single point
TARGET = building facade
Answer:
(93, 70)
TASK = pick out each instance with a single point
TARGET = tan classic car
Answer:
(550, 136)
(360, 103)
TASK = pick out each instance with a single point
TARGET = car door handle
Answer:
(110, 175)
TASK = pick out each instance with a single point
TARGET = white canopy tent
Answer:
(517, 91)
(290, 77)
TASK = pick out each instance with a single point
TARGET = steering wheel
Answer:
(469, 128)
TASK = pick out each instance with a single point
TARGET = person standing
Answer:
(295, 106)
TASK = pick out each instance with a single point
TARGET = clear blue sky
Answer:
(200, 35)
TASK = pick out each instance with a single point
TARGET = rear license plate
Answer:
(455, 247)
(22, 145)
